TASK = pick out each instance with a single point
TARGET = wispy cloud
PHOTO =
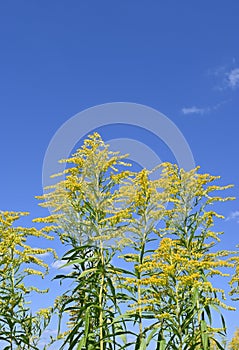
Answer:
(226, 77)
(58, 264)
(194, 110)
(202, 110)
(233, 216)
(233, 78)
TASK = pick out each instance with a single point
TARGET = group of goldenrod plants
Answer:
(142, 256)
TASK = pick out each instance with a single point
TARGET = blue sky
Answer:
(60, 57)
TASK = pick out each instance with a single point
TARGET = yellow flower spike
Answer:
(15, 254)
(88, 192)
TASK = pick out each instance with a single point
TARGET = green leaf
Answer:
(204, 334)
(81, 344)
(143, 345)
(162, 344)
(86, 272)
(150, 336)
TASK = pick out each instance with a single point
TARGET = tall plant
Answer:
(19, 327)
(147, 203)
(163, 229)
(182, 294)
(86, 208)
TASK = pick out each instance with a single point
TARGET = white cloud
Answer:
(194, 110)
(202, 110)
(43, 255)
(226, 77)
(234, 216)
(58, 264)
(233, 78)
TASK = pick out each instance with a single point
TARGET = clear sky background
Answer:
(58, 58)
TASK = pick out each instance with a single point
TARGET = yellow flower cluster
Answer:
(14, 251)
(45, 313)
(87, 203)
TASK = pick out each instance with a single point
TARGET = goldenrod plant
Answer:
(147, 203)
(163, 231)
(19, 327)
(182, 269)
(86, 207)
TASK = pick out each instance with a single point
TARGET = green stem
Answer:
(12, 295)
(178, 321)
(140, 311)
(101, 320)
(141, 259)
